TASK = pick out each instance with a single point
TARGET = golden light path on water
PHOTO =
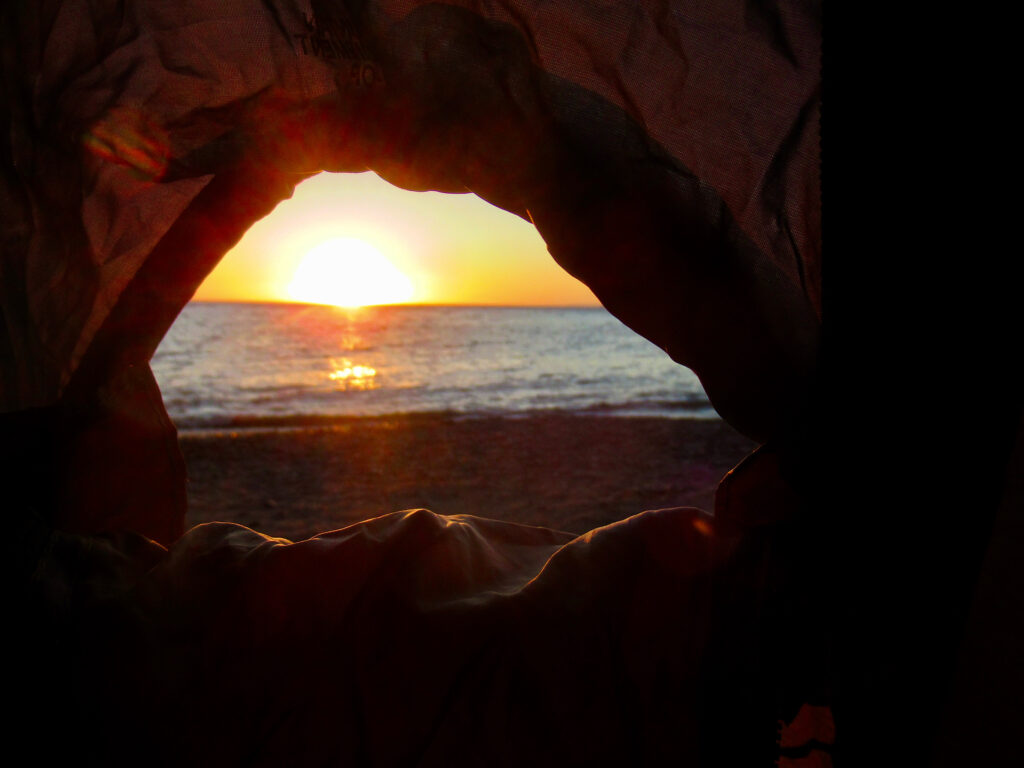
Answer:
(349, 376)
(227, 361)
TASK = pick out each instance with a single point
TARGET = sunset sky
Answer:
(421, 248)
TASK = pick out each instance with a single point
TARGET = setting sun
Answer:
(348, 272)
(453, 248)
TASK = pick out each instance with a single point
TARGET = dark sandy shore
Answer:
(570, 472)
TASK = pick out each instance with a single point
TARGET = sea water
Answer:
(248, 364)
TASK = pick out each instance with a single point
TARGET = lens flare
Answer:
(126, 136)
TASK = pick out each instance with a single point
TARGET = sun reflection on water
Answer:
(346, 375)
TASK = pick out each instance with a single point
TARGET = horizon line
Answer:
(401, 304)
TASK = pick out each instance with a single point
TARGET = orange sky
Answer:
(454, 249)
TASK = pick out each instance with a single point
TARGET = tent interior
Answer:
(669, 155)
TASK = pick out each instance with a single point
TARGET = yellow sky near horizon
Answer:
(454, 249)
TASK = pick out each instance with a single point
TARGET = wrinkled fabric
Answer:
(668, 155)
(416, 639)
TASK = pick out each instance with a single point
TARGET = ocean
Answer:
(242, 365)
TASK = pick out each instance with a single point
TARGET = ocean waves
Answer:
(235, 365)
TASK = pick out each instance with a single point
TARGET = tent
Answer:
(669, 154)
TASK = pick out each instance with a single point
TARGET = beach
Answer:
(572, 472)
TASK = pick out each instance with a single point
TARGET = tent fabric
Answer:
(667, 153)
(418, 639)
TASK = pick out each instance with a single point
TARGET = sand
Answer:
(564, 471)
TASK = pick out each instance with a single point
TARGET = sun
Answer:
(348, 272)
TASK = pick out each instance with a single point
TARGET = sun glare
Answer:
(347, 272)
